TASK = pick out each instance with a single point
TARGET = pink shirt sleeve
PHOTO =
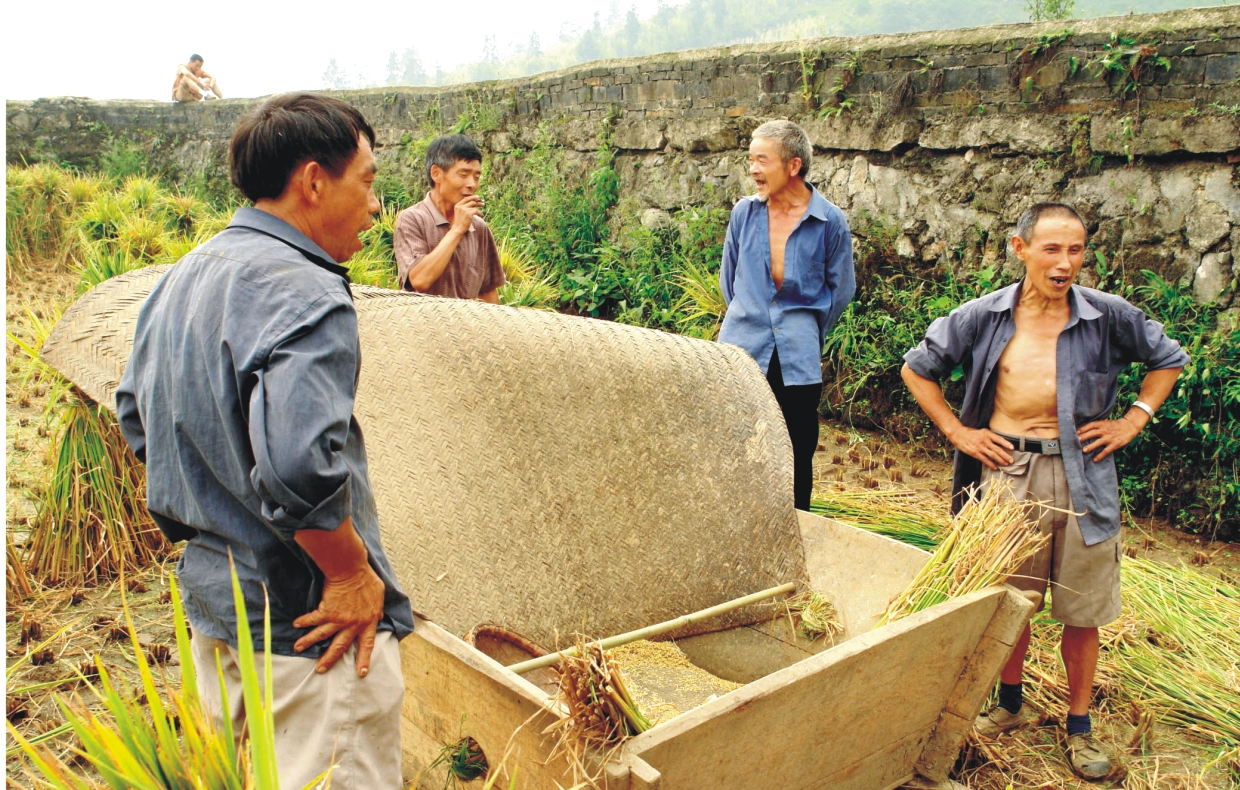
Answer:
(410, 243)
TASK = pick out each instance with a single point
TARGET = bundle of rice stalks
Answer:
(530, 292)
(813, 616)
(463, 761)
(373, 267)
(182, 211)
(895, 514)
(598, 711)
(141, 192)
(35, 220)
(517, 259)
(150, 740)
(991, 537)
(91, 521)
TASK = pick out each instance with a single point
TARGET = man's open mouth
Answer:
(1060, 281)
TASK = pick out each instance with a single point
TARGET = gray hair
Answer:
(791, 141)
(1031, 216)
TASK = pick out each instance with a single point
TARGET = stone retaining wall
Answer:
(933, 141)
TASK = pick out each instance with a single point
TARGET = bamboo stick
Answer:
(655, 630)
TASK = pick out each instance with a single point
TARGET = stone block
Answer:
(1212, 277)
(850, 132)
(1029, 134)
(959, 79)
(638, 135)
(715, 134)
(1156, 136)
(1222, 69)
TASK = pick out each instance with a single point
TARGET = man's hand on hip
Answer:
(983, 444)
(349, 610)
(1107, 436)
(352, 601)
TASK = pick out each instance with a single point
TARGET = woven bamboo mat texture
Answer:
(549, 473)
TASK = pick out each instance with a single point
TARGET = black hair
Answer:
(448, 150)
(287, 131)
(1032, 215)
(194, 57)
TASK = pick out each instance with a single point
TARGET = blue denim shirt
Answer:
(818, 284)
(238, 397)
(1104, 335)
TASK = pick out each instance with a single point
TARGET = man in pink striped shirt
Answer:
(443, 246)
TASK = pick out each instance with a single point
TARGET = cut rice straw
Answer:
(988, 541)
(813, 616)
(894, 514)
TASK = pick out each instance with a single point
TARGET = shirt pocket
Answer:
(810, 280)
(1091, 396)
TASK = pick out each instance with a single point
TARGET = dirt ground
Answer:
(93, 618)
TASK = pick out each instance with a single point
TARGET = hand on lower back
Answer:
(348, 612)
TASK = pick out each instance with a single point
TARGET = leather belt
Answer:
(1040, 446)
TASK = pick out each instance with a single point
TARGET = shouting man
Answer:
(1041, 359)
(192, 83)
(239, 397)
(443, 246)
(787, 275)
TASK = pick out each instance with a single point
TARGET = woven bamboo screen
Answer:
(543, 472)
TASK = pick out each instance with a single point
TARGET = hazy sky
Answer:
(129, 49)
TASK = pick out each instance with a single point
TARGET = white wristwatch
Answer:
(1145, 407)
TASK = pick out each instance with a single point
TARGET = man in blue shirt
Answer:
(238, 397)
(787, 276)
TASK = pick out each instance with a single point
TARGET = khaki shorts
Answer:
(320, 719)
(1084, 580)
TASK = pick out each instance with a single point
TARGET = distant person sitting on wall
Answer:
(443, 246)
(192, 83)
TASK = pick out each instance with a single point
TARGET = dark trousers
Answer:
(799, 403)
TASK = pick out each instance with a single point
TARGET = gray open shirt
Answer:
(1104, 334)
(238, 397)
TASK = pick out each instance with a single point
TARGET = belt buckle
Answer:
(1050, 444)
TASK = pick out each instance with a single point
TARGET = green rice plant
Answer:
(373, 267)
(182, 211)
(81, 189)
(380, 236)
(141, 237)
(991, 537)
(100, 218)
(530, 292)
(703, 297)
(517, 259)
(141, 193)
(895, 514)
(169, 741)
(102, 262)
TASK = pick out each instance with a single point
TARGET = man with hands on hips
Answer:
(1041, 360)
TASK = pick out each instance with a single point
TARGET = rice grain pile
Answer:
(664, 682)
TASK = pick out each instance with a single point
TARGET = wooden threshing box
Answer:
(553, 474)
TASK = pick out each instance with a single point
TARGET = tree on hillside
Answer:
(1047, 10)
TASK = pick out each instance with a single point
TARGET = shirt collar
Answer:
(437, 215)
(1080, 308)
(271, 225)
(817, 203)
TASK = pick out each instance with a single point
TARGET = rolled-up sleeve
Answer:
(841, 277)
(945, 345)
(300, 411)
(410, 245)
(1143, 339)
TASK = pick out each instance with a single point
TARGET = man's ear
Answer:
(1019, 246)
(794, 166)
(436, 171)
(312, 179)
